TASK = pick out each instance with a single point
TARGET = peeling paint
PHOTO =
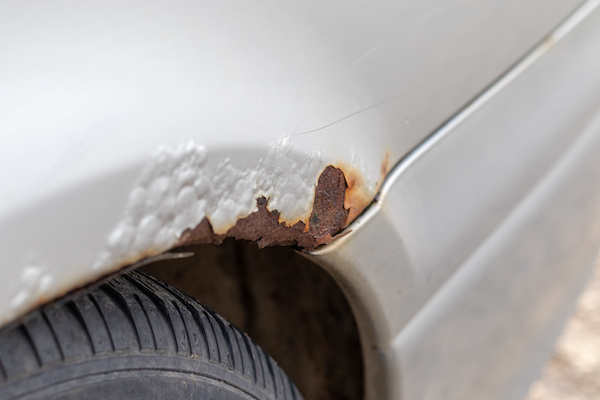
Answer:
(184, 190)
(35, 282)
(264, 226)
(187, 195)
(357, 198)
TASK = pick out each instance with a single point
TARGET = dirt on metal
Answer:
(329, 216)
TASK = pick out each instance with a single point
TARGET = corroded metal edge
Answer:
(328, 217)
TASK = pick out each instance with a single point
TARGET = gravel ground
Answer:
(573, 373)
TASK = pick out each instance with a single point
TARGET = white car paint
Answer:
(92, 90)
(178, 190)
(461, 246)
(100, 102)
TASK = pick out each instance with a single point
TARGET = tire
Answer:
(134, 337)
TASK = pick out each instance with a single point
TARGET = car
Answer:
(397, 200)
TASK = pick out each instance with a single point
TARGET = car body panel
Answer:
(488, 331)
(104, 102)
(535, 131)
(93, 91)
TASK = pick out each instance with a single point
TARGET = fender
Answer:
(128, 129)
(100, 100)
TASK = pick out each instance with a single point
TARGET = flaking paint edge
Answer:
(179, 187)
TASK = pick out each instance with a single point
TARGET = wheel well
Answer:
(286, 303)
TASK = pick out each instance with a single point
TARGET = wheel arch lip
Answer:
(74, 234)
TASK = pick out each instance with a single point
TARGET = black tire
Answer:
(134, 337)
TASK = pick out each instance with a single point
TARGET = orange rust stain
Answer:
(385, 167)
(357, 198)
(328, 217)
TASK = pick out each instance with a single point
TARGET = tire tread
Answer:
(131, 314)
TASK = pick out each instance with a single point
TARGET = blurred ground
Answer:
(573, 373)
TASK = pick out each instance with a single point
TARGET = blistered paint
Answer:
(265, 227)
(183, 185)
(179, 188)
(35, 280)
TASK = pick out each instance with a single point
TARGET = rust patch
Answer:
(356, 199)
(328, 217)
